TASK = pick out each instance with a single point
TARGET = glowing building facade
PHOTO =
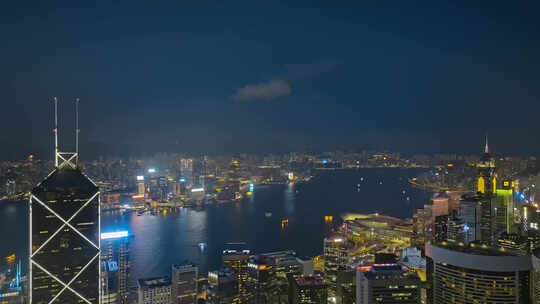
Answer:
(335, 260)
(115, 257)
(238, 261)
(386, 283)
(308, 289)
(476, 275)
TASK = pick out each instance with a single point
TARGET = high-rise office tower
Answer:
(487, 178)
(176, 188)
(141, 187)
(64, 233)
(109, 282)
(472, 274)
(115, 251)
(184, 284)
(238, 261)
(346, 287)
(386, 283)
(535, 277)
(154, 290)
(308, 289)
(222, 287)
(262, 281)
(204, 172)
(335, 260)
(441, 205)
(422, 225)
(186, 170)
(477, 214)
(504, 207)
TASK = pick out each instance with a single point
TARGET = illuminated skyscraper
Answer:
(238, 261)
(471, 274)
(335, 260)
(487, 179)
(504, 207)
(478, 218)
(222, 287)
(308, 289)
(141, 188)
(186, 170)
(262, 281)
(386, 283)
(115, 256)
(109, 282)
(64, 234)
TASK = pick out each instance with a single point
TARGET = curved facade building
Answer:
(535, 276)
(475, 275)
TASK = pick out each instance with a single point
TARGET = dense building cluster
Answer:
(480, 246)
(118, 174)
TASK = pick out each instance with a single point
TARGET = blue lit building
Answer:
(115, 260)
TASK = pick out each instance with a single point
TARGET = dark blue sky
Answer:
(416, 77)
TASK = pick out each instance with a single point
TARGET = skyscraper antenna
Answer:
(77, 130)
(55, 131)
(63, 159)
(486, 148)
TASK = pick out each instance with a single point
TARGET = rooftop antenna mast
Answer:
(77, 130)
(55, 130)
(63, 159)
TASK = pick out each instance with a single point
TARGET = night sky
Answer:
(234, 77)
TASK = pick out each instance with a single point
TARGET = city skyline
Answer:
(276, 153)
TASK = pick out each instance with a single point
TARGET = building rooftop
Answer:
(311, 280)
(183, 265)
(374, 220)
(155, 282)
(65, 182)
(440, 195)
(223, 273)
(478, 257)
(477, 249)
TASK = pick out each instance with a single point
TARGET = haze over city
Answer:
(274, 77)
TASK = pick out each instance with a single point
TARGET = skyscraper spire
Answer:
(486, 148)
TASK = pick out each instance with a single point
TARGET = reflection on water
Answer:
(288, 201)
(162, 240)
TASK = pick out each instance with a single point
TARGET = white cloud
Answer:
(269, 90)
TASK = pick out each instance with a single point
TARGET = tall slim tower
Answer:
(487, 178)
(64, 232)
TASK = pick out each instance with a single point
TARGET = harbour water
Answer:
(162, 240)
